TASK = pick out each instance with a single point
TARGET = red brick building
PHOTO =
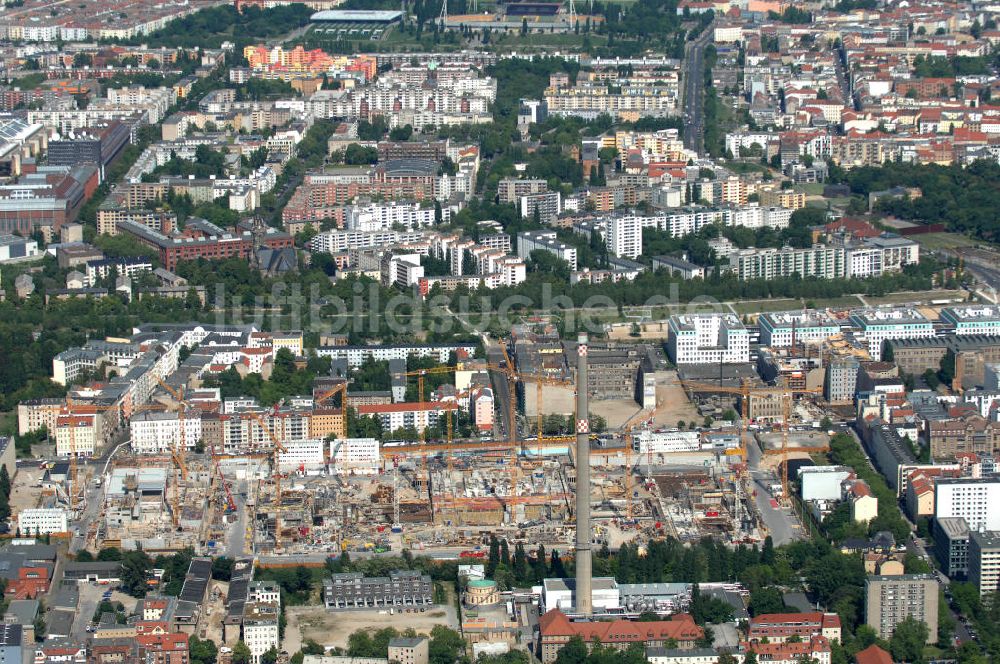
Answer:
(163, 648)
(779, 627)
(555, 631)
(29, 584)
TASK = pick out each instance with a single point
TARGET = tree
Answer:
(908, 639)
(135, 573)
(202, 652)
(446, 645)
(494, 559)
(519, 564)
(4, 482)
(242, 654)
(766, 600)
(556, 568)
(574, 652)
(270, 656)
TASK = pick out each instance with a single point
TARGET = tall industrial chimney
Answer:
(584, 596)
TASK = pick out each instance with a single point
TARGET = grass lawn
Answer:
(916, 296)
(810, 189)
(945, 241)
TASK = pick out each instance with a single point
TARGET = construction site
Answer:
(644, 478)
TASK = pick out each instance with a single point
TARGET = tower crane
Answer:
(179, 448)
(628, 427)
(746, 390)
(340, 388)
(72, 411)
(277, 449)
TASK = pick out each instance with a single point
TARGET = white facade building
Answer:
(973, 319)
(879, 325)
(624, 236)
(384, 216)
(545, 241)
(973, 499)
(823, 482)
(156, 433)
(302, 454)
(663, 442)
(42, 521)
(779, 328)
(708, 339)
(355, 456)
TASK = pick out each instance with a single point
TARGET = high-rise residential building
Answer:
(972, 498)
(951, 544)
(548, 205)
(984, 561)
(509, 190)
(624, 236)
(889, 600)
(708, 339)
(841, 379)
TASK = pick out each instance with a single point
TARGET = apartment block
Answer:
(546, 241)
(547, 204)
(889, 600)
(352, 590)
(984, 561)
(678, 267)
(973, 499)
(260, 628)
(779, 627)
(624, 236)
(708, 339)
(510, 190)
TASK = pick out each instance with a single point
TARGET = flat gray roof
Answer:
(357, 16)
(954, 527)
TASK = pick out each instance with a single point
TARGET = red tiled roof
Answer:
(790, 650)
(873, 655)
(680, 627)
(826, 620)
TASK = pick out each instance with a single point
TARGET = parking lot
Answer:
(91, 596)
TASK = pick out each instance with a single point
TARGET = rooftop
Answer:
(690, 321)
(970, 313)
(895, 315)
(356, 15)
(955, 527)
(779, 319)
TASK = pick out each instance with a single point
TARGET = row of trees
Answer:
(541, 289)
(839, 525)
